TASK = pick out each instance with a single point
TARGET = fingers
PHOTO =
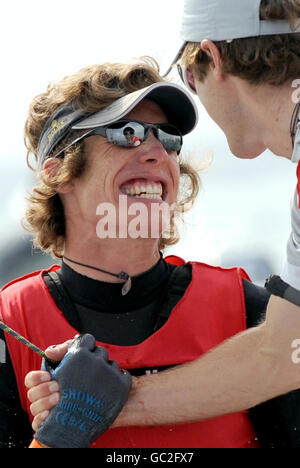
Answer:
(101, 352)
(57, 352)
(37, 421)
(36, 377)
(42, 390)
(43, 393)
(44, 404)
(115, 365)
(83, 341)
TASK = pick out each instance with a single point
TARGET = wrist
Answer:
(132, 411)
(282, 328)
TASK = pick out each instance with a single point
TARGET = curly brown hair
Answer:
(92, 88)
(273, 60)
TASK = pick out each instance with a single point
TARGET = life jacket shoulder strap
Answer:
(62, 299)
(177, 285)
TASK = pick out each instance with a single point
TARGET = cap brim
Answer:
(176, 59)
(173, 99)
(225, 21)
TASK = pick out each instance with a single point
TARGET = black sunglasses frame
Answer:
(102, 131)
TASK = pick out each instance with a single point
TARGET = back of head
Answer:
(273, 59)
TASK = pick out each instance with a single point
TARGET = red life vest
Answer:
(211, 311)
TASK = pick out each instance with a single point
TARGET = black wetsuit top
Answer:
(101, 307)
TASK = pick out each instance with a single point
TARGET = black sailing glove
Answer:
(93, 392)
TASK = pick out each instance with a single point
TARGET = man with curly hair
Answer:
(256, 365)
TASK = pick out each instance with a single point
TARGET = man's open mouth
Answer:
(143, 188)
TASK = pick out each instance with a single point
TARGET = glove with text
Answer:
(93, 392)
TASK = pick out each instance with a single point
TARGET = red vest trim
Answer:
(211, 311)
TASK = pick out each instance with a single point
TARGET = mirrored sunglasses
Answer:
(132, 133)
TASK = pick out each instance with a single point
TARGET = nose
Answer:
(152, 151)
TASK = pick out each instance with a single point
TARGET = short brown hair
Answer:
(273, 60)
(92, 88)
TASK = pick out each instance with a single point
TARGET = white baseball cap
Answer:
(225, 20)
(220, 20)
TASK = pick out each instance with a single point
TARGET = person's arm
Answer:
(15, 429)
(248, 369)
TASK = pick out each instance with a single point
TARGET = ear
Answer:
(191, 80)
(213, 53)
(51, 169)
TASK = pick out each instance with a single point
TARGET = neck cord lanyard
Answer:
(125, 277)
(122, 276)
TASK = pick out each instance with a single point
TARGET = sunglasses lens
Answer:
(126, 134)
(170, 138)
(131, 134)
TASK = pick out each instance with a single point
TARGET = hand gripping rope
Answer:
(27, 343)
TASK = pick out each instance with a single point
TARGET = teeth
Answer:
(144, 191)
(152, 196)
